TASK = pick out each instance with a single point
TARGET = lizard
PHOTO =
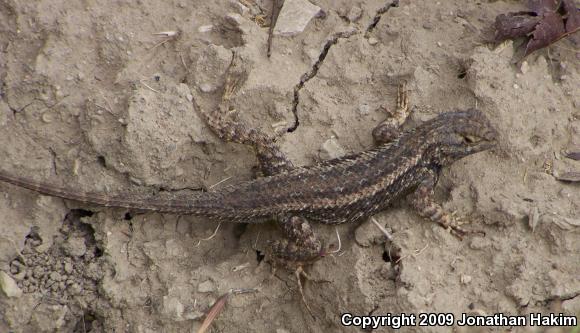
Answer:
(342, 190)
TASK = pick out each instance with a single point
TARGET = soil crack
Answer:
(314, 70)
(379, 14)
(322, 56)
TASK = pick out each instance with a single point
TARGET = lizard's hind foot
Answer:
(301, 247)
(300, 273)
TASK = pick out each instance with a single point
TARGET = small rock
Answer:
(533, 218)
(75, 289)
(354, 14)
(364, 109)
(206, 287)
(54, 276)
(9, 286)
(68, 268)
(206, 88)
(465, 279)
(38, 272)
(572, 305)
(205, 28)
(331, 149)
(373, 41)
(75, 247)
(294, 16)
(525, 67)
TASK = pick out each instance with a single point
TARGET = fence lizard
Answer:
(342, 190)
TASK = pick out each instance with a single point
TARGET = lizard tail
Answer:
(180, 205)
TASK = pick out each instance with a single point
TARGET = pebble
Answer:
(373, 41)
(75, 247)
(465, 279)
(205, 28)
(331, 149)
(206, 88)
(364, 109)
(294, 17)
(54, 276)
(354, 14)
(68, 267)
(9, 286)
(525, 67)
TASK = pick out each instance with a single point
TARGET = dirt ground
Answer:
(92, 98)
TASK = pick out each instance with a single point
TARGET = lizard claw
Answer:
(300, 273)
(454, 226)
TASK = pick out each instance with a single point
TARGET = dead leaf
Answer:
(545, 23)
(541, 7)
(566, 223)
(573, 19)
(547, 31)
(573, 154)
(514, 25)
(569, 176)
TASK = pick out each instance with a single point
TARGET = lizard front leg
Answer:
(389, 129)
(422, 200)
(224, 122)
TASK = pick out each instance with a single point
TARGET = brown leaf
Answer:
(550, 29)
(542, 7)
(573, 16)
(545, 23)
(514, 25)
(569, 176)
(573, 155)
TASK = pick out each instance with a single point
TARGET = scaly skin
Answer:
(337, 191)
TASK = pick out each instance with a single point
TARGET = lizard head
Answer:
(459, 134)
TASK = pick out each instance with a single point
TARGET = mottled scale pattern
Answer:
(335, 191)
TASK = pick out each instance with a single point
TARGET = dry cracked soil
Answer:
(105, 96)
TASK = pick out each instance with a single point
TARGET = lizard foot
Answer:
(300, 273)
(454, 224)
(389, 129)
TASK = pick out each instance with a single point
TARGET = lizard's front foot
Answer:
(453, 224)
(390, 129)
(422, 201)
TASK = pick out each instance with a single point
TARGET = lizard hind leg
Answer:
(299, 248)
(389, 129)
